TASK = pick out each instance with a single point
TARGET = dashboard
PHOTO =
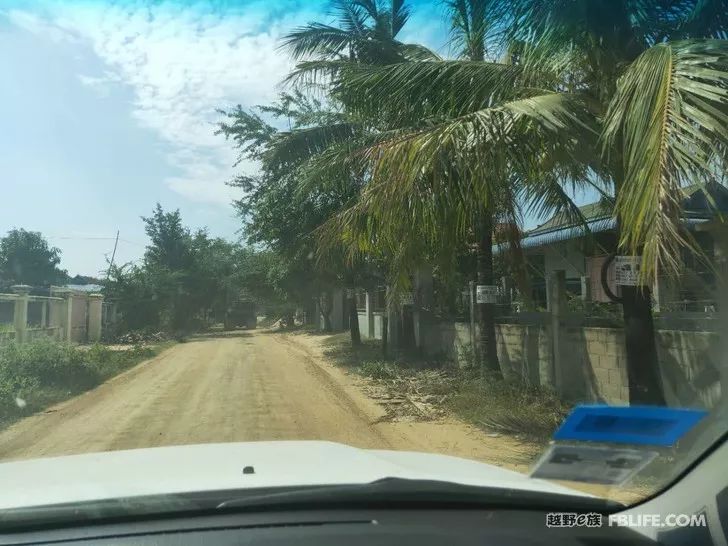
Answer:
(329, 527)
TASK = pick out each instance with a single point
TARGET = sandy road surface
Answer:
(246, 386)
(235, 388)
(241, 387)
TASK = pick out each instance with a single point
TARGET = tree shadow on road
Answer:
(296, 331)
(220, 334)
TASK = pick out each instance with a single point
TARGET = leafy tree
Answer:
(287, 202)
(185, 281)
(26, 258)
(629, 92)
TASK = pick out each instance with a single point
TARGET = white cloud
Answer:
(182, 61)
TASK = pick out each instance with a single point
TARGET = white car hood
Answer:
(216, 467)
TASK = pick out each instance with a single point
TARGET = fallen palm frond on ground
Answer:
(412, 389)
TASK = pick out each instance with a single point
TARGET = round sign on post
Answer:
(627, 270)
(486, 293)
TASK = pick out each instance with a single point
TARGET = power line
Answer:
(80, 238)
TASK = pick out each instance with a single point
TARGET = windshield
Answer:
(493, 231)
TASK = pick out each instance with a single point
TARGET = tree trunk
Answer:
(408, 329)
(325, 312)
(385, 335)
(487, 351)
(643, 369)
(353, 319)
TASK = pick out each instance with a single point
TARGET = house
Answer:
(558, 244)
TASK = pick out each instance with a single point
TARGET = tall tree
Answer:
(366, 34)
(630, 91)
(470, 24)
(26, 258)
(282, 207)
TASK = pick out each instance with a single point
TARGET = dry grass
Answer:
(416, 389)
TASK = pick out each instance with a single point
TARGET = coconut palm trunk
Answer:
(353, 318)
(643, 368)
(487, 343)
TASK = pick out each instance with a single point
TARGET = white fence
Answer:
(67, 315)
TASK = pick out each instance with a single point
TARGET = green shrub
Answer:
(38, 373)
(508, 406)
(378, 370)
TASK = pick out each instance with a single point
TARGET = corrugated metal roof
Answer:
(555, 235)
(85, 287)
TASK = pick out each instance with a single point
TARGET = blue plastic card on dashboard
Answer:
(647, 425)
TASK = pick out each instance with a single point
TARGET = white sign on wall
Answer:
(407, 298)
(486, 293)
(627, 269)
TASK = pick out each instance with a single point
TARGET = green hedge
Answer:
(36, 374)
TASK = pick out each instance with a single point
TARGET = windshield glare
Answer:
(376, 232)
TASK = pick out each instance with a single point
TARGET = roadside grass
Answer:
(492, 404)
(41, 373)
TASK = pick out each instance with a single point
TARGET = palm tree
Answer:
(470, 25)
(366, 34)
(632, 92)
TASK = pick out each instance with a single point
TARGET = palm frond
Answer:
(417, 52)
(400, 15)
(702, 19)
(409, 92)
(471, 22)
(426, 187)
(292, 147)
(308, 74)
(668, 115)
(316, 39)
(352, 16)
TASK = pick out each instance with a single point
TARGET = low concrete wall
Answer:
(594, 365)
(691, 364)
(53, 332)
(525, 351)
(364, 325)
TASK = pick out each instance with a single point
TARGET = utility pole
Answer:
(113, 254)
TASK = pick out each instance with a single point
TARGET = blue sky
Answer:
(108, 108)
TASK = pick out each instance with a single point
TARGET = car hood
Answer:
(218, 467)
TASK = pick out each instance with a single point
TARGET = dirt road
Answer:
(241, 387)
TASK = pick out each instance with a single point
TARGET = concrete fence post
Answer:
(586, 288)
(424, 297)
(95, 304)
(556, 296)
(472, 310)
(20, 314)
(369, 306)
(66, 314)
(392, 313)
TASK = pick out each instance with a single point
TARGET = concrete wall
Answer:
(34, 317)
(53, 332)
(593, 367)
(594, 364)
(364, 325)
(78, 317)
(691, 365)
(524, 350)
